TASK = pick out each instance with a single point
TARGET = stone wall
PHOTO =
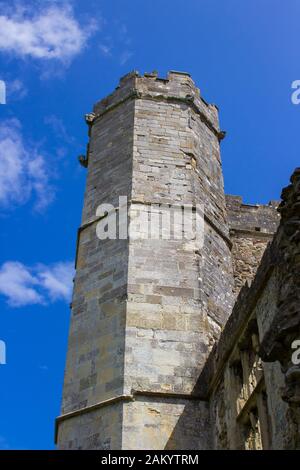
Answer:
(95, 429)
(155, 360)
(162, 422)
(243, 388)
(251, 229)
(249, 378)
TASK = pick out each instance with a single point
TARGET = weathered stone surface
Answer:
(251, 229)
(264, 323)
(165, 423)
(160, 354)
(146, 312)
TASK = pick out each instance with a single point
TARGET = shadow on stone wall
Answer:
(192, 430)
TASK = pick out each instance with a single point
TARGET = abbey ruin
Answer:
(172, 346)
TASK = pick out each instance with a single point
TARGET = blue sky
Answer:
(57, 58)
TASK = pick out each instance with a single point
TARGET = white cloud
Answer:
(2, 92)
(57, 280)
(23, 285)
(23, 171)
(51, 33)
(18, 285)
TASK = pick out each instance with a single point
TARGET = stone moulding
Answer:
(188, 100)
(135, 201)
(122, 398)
(88, 409)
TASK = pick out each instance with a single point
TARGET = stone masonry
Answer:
(147, 311)
(252, 227)
(250, 378)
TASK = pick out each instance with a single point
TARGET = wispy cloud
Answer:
(16, 90)
(23, 170)
(106, 49)
(117, 45)
(49, 33)
(40, 284)
(2, 92)
(125, 56)
(18, 284)
(58, 128)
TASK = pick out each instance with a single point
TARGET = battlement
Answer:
(258, 218)
(176, 87)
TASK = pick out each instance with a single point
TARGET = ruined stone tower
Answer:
(146, 312)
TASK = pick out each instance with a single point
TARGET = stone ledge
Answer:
(250, 232)
(88, 409)
(122, 398)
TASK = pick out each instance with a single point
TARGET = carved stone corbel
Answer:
(84, 159)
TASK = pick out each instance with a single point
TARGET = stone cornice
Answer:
(96, 219)
(136, 94)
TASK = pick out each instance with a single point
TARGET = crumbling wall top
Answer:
(252, 217)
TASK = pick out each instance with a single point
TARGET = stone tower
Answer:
(146, 310)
